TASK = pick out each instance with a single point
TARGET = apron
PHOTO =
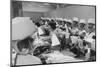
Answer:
(54, 40)
(40, 31)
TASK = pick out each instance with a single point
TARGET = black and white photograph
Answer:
(45, 33)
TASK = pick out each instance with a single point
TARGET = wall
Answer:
(16, 9)
(71, 11)
(36, 7)
(31, 14)
(34, 15)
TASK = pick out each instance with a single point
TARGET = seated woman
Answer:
(24, 56)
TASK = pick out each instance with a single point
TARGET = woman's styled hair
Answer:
(24, 44)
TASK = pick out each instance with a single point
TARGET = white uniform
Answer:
(67, 31)
(81, 32)
(74, 31)
(54, 39)
(80, 40)
(89, 39)
(74, 39)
